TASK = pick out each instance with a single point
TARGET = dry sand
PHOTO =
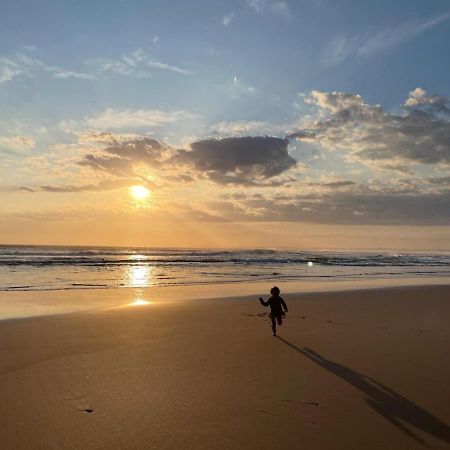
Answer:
(361, 369)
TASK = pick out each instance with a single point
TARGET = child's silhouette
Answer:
(277, 305)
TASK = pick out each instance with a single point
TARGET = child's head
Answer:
(275, 291)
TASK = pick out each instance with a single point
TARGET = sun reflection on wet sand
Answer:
(139, 302)
(139, 277)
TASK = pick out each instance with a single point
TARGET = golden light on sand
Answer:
(139, 302)
(139, 192)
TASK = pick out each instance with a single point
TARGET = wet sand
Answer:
(360, 369)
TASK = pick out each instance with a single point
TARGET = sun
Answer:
(139, 192)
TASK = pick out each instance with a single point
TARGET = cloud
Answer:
(104, 126)
(16, 144)
(59, 73)
(363, 207)
(281, 9)
(278, 8)
(345, 46)
(105, 185)
(432, 104)
(419, 135)
(122, 158)
(9, 72)
(137, 63)
(114, 119)
(238, 160)
(17, 65)
(227, 19)
(240, 128)
(335, 184)
(248, 160)
(212, 52)
(441, 181)
(23, 64)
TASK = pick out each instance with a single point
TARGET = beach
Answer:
(351, 369)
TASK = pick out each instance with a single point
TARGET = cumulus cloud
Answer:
(345, 46)
(240, 160)
(420, 134)
(432, 104)
(248, 160)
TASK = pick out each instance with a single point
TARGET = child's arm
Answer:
(263, 302)
(284, 305)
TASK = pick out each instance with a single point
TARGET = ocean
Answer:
(40, 268)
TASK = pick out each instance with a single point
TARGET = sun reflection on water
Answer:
(139, 276)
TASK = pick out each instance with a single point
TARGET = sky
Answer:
(251, 123)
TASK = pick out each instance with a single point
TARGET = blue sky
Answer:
(180, 72)
(279, 54)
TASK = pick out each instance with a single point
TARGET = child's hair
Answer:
(274, 290)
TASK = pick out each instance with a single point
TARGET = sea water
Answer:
(37, 268)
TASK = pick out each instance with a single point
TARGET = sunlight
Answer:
(139, 276)
(139, 192)
(139, 302)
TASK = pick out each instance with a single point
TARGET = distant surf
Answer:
(53, 268)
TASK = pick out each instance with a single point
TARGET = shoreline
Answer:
(24, 304)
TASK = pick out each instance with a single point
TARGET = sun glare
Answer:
(139, 302)
(139, 192)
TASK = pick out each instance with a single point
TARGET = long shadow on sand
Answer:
(392, 406)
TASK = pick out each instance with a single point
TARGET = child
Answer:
(277, 304)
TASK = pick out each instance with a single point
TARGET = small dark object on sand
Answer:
(88, 410)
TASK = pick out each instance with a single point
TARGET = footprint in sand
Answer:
(302, 402)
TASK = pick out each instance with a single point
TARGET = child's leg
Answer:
(274, 325)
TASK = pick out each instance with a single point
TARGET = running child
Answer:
(277, 308)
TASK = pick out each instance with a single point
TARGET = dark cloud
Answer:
(343, 207)
(120, 158)
(247, 160)
(440, 181)
(335, 184)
